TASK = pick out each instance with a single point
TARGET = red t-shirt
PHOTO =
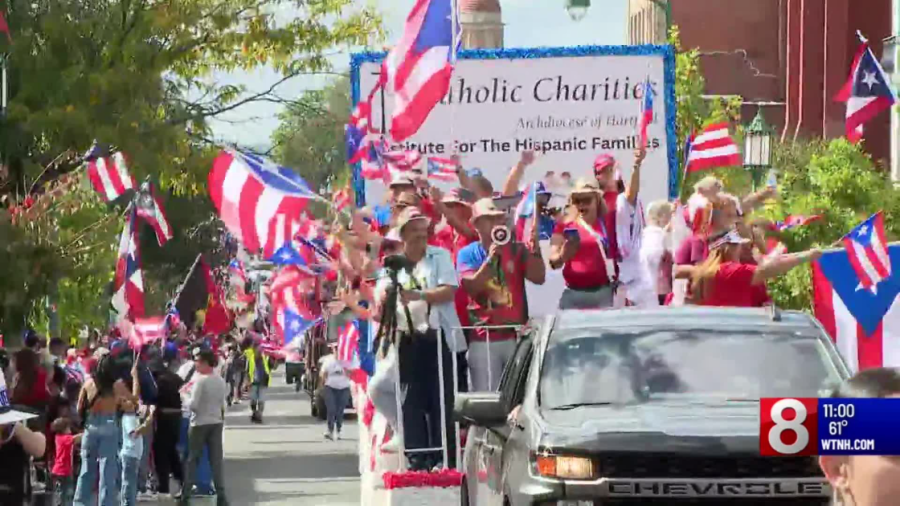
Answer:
(503, 301)
(586, 270)
(38, 396)
(733, 286)
(62, 461)
(692, 251)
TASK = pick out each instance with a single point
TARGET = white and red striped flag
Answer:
(341, 199)
(713, 148)
(109, 174)
(420, 66)
(864, 323)
(149, 207)
(442, 169)
(348, 345)
(248, 191)
(403, 160)
(128, 283)
(282, 229)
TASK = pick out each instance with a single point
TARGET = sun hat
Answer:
(586, 185)
(9, 415)
(458, 196)
(730, 237)
(408, 215)
(401, 180)
(485, 207)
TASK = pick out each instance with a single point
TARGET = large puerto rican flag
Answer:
(419, 67)
(864, 323)
(248, 191)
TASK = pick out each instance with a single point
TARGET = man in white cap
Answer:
(18, 444)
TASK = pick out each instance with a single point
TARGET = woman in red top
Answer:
(581, 247)
(723, 280)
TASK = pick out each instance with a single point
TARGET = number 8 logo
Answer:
(782, 425)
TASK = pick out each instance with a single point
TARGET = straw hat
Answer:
(485, 207)
(586, 185)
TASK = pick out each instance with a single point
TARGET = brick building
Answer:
(792, 56)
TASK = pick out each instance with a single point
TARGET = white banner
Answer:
(569, 107)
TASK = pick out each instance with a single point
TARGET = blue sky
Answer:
(529, 23)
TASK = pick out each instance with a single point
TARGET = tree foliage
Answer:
(310, 136)
(835, 179)
(139, 75)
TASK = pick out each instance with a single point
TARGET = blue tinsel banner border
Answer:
(666, 52)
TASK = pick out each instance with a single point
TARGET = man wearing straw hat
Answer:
(425, 306)
(18, 444)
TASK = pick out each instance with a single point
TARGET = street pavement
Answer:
(287, 461)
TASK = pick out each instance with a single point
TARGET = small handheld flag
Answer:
(867, 250)
(646, 110)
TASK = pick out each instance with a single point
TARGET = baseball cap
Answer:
(485, 207)
(602, 161)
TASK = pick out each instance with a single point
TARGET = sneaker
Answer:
(338, 436)
(328, 436)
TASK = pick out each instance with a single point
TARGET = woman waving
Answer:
(724, 280)
(580, 245)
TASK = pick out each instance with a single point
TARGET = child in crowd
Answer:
(63, 461)
(133, 431)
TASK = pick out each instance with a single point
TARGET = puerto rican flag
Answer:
(420, 66)
(296, 325)
(348, 344)
(402, 160)
(149, 207)
(148, 329)
(442, 169)
(646, 110)
(712, 148)
(867, 251)
(108, 174)
(865, 324)
(248, 191)
(289, 291)
(792, 221)
(282, 229)
(128, 283)
(867, 92)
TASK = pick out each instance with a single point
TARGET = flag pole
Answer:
(455, 41)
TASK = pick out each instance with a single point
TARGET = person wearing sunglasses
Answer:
(581, 246)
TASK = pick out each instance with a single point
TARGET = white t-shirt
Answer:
(336, 376)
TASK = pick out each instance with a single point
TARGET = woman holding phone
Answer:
(580, 246)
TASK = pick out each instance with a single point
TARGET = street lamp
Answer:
(577, 9)
(758, 147)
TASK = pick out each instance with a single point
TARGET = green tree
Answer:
(139, 75)
(310, 136)
(696, 111)
(837, 180)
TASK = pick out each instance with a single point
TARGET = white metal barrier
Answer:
(373, 488)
